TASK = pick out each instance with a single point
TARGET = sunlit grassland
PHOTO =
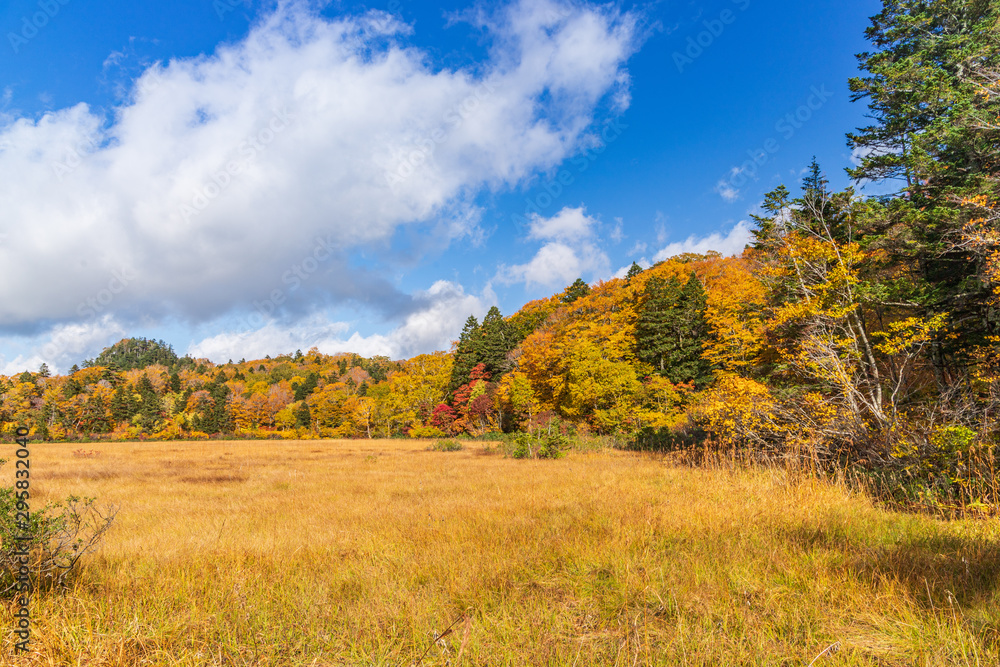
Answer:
(360, 552)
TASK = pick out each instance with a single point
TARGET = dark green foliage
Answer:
(71, 388)
(543, 445)
(175, 382)
(467, 354)
(363, 388)
(150, 406)
(123, 404)
(131, 353)
(26, 377)
(43, 371)
(651, 439)
(307, 387)
(303, 416)
(216, 418)
(922, 84)
(633, 271)
(672, 329)
(575, 291)
(495, 341)
(94, 417)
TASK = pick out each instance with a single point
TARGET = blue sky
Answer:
(246, 178)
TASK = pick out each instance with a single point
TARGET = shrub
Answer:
(58, 537)
(542, 446)
(446, 446)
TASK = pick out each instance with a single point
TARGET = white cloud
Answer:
(316, 116)
(432, 327)
(569, 253)
(730, 244)
(65, 345)
(566, 225)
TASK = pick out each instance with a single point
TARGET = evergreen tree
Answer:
(578, 289)
(495, 341)
(633, 271)
(175, 382)
(122, 404)
(923, 84)
(672, 329)
(43, 371)
(151, 407)
(307, 387)
(131, 353)
(653, 328)
(303, 416)
(467, 354)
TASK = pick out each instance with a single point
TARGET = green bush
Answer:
(541, 446)
(446, 446)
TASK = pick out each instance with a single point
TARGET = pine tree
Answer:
(467, 354)
(691, 330)
(672, 329)
(122, 404)
(653, 329)
(303, 416)
(633, 271)
(495, 342)
(151, 408)
(575, 291)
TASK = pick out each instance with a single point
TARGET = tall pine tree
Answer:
(467, 354)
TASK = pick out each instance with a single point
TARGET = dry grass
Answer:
(361, 552)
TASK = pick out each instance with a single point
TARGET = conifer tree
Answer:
(672, 329)
(467, 354)
(578, 289)
(496, 341)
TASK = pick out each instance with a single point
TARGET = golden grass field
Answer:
(359, 552)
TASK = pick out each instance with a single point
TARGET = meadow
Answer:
(363, 552)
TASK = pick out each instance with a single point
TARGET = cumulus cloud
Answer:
(445, 308)
(570, 251)
(732, 243)
(64, 345)
(219, 173)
